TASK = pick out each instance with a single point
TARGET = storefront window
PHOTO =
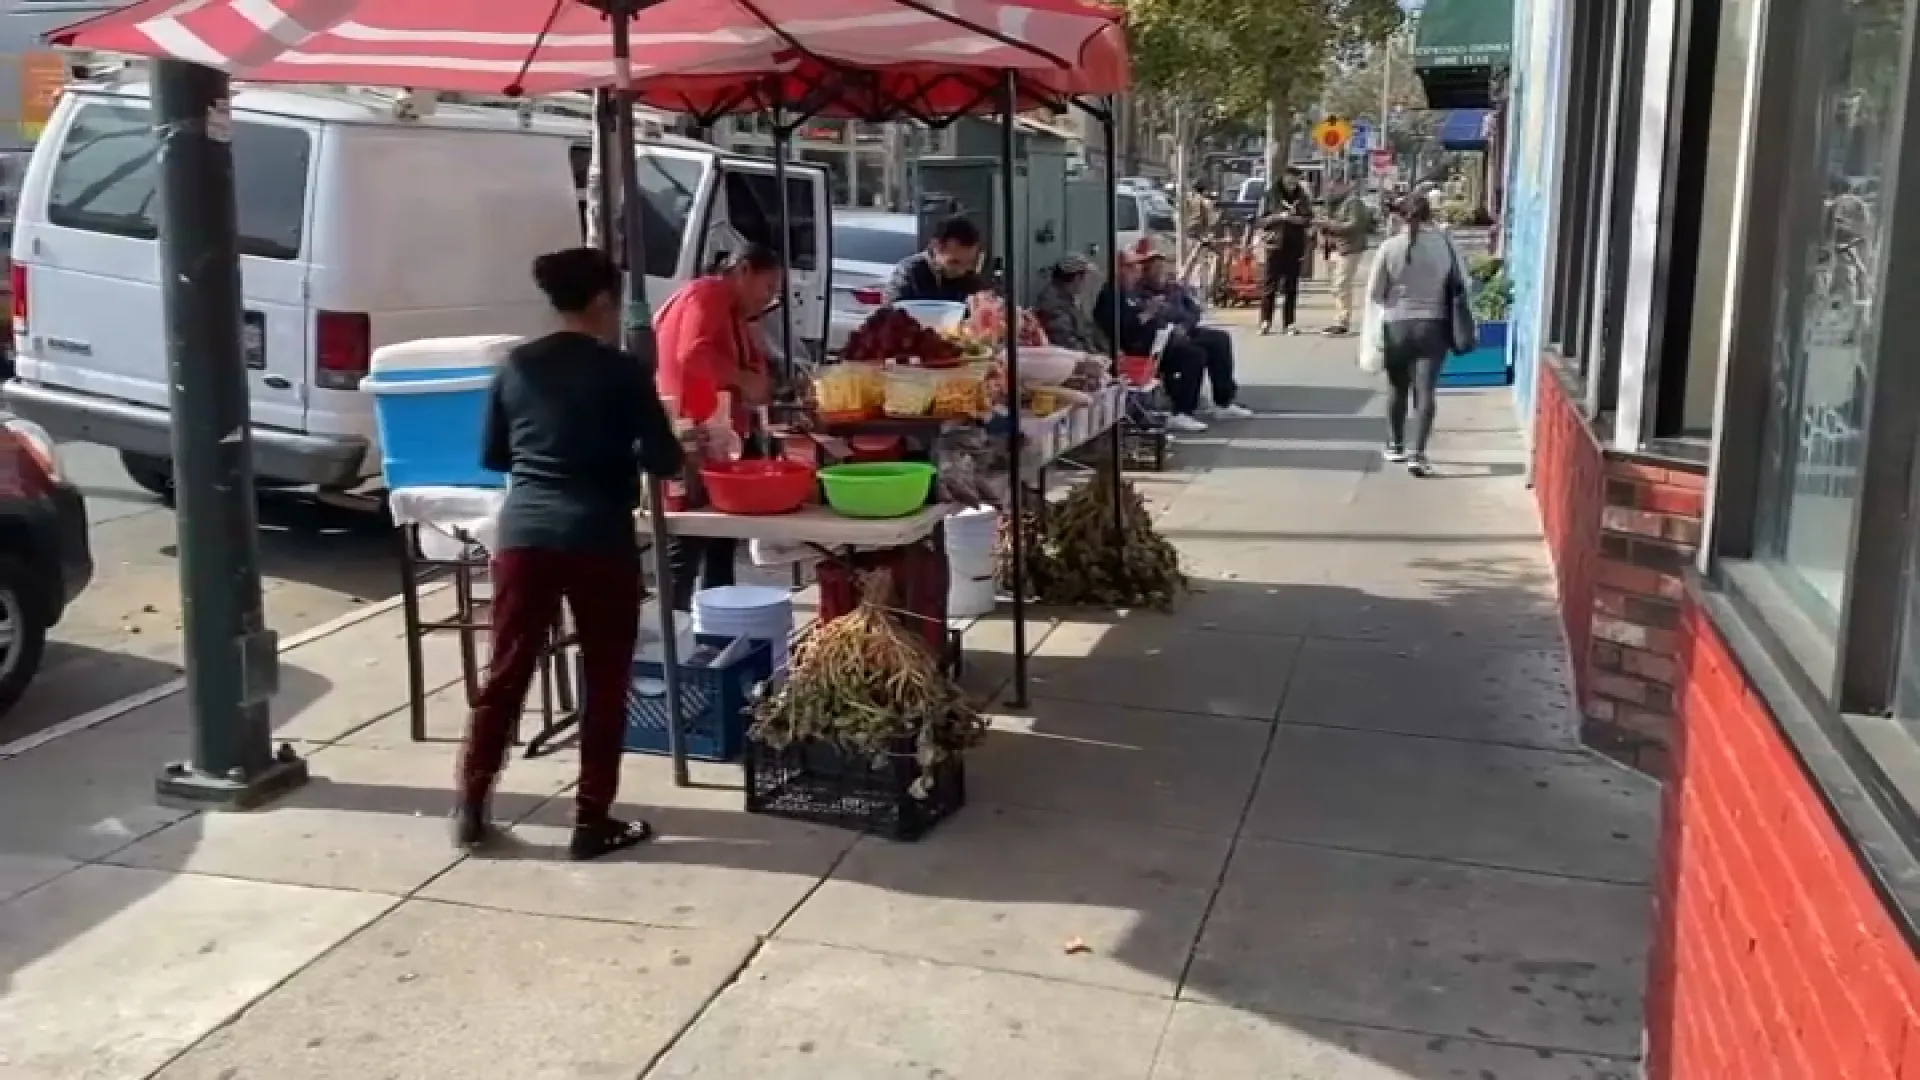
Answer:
(1824, 334)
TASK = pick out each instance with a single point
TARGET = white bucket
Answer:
(760, 612)
(971, 535)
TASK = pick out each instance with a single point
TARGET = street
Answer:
(123, 634)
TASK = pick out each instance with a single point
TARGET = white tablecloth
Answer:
(450, 515)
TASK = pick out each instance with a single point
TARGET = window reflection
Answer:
(1824, 332)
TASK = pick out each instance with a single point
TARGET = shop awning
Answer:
(1464, 129)
(1460, 48)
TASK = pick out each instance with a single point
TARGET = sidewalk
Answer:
(1328, 821)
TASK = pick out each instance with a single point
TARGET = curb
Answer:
(114, 710)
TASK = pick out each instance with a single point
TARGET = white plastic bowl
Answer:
(935, 314)
(1046, 365)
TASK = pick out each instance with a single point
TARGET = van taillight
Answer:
(869, 297)
(17, 283)
(343, 349)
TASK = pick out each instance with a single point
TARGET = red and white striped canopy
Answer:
(545, 46)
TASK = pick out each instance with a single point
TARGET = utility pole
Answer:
(231, 656)
(1180, 194)
(1386, 105)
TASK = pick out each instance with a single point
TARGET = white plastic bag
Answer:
(1373, 343)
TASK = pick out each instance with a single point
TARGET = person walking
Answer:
(1286, 216)
(1413, 282)
(572, 421)
(1349, 229)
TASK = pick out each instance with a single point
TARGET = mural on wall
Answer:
(1532, 184)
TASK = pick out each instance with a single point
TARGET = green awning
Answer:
(1464, 34)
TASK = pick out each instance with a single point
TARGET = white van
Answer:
(1144, 216)
(365, 219)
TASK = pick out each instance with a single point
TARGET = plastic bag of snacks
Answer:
(964, 460)
(910, 391)
(849, 390)
(961, 394)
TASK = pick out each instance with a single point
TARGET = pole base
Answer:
(184, 787)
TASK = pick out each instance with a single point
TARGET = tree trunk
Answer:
(1279, 131)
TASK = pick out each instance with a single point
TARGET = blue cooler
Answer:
(430, 404)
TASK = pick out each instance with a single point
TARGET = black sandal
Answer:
(594, 839)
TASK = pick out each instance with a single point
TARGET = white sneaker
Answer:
(1235, 411)
(1185, 425)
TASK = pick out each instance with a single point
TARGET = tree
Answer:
(1354, 88)
(1250, 58)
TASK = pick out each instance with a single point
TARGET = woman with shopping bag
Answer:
(1417, 313)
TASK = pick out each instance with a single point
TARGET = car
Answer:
(45, 560)
(866, 248)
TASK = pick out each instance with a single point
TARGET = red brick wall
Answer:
(1773, 957)
(1569, 481)
(1649, 531)
(1622, 533)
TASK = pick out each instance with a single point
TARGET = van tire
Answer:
(152, 474)
(23, 608)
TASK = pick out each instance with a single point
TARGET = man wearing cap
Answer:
(1061, 315)
(1140, 318)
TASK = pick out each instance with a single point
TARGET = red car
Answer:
(45, 560)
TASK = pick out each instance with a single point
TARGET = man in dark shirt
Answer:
(572, 421)
(1141, 317)
(1286, 216)
(948, 270)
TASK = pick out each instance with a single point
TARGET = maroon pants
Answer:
(602, 591)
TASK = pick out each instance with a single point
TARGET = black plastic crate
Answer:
(713, 703)
(827, 784)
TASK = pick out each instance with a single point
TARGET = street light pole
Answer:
(231, 657)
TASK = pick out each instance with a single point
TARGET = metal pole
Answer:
(600, 176)
(232, 669)
(782, 149)
(1180, 189)
(1009, 109)
(638, 332)
(1117, 441)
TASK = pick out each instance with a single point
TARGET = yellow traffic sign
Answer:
(1332, 134)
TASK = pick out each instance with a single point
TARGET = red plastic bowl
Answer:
(757, 487)
(874, 448)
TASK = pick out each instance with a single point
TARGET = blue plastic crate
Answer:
(1484, 366)
(713, 704)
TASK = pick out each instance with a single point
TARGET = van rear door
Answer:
(676, 187)
(88, 231)
(749, 207)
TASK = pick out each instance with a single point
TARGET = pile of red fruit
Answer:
(892, 334)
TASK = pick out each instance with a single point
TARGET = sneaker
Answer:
(1418, 466)
(1266, 328)
(1335, 331)
(1293, 331)
(1235, 411)
(1185, 425)
(1394, 454)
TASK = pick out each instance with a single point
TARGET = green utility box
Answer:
(1051, 214)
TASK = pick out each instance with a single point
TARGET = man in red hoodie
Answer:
(708, 347)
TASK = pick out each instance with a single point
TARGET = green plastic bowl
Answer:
(881, 489)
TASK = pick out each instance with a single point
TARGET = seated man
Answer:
(1066, 321)
(1182, 364)
(948, 270)
(1183, 312)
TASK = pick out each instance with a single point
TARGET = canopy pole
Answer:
(638, 332)
(782, 149)
(1009, 109)
(1116, 440)
(231, 661)
(600, 216)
